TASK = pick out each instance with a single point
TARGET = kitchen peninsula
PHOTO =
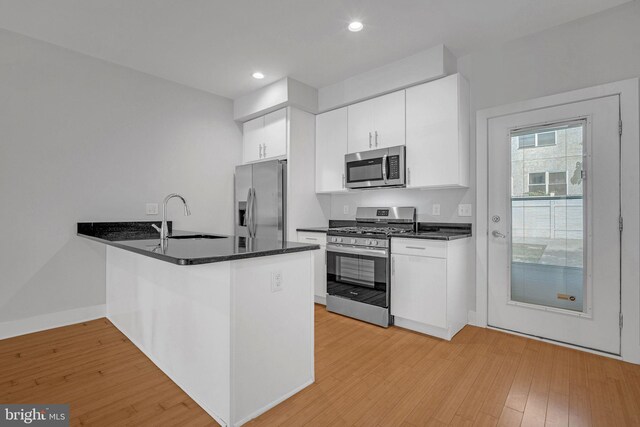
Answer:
(229, 319)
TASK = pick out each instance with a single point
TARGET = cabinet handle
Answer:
(369, 139)
(376, 133)
(408, 176)
(264, 149)
(311, 238)
(260, 150)
(415, 247)
(344, 184)
(393, 266)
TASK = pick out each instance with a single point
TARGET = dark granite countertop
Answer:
(136, 237)
(438, 231)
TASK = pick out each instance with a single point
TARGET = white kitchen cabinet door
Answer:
(360, 126)
(252, 132)
(275, 134)
(389, 120)
(437, 139)
(419, 289)
(331, 147)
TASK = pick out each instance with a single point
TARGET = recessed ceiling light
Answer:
(355, 26)
(258, 75)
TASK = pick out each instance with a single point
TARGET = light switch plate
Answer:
(152, 209)
(435, 210)
(276, 281)
(464, 210)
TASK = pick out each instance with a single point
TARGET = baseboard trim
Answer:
(320, 300)
(43, 322)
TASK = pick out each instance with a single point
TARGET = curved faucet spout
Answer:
(164, 231)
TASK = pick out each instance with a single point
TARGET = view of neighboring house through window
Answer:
(547, 216)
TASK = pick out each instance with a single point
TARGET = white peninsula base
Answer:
(224, 332)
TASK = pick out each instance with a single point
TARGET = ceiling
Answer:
(215, 45)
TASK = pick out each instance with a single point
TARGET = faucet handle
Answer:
(158, 229)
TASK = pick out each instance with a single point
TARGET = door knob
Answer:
(496, 233)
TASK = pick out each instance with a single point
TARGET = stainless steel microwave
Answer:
(384, 167)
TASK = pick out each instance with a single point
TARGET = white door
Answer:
(360, 126)
(419, 289)
(331, 146)
(389, 120)
(436, 145)
(554, 209)
(275, 134)
(252, 139)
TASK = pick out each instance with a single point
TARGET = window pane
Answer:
(546, 139)
(537, 178)
(547, 210)
(527, 140)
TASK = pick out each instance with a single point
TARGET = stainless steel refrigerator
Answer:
(260, 200)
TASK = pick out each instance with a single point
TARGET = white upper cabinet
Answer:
(251, 139)
(275, 134)
(265, 137)
(377, 123)
(331, 147)
(388, 120)
(437, 133)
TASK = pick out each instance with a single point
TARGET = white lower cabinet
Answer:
(320, 263)
(428, 285)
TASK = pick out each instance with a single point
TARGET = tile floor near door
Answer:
(365, 376)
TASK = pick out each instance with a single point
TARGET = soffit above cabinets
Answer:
(215, 45)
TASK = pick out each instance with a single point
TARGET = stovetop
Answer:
(374, 231)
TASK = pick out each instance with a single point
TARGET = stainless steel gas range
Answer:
(358, 263)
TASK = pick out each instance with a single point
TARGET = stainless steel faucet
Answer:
(164, 231)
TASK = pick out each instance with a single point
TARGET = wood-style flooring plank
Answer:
(365, 376)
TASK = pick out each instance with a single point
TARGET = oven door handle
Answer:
(379, 253)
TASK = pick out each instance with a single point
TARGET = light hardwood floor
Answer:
(365, 376)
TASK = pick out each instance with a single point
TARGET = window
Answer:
(537, 184)
(546, 139)
(543, 139)
(548, 184)
(557, 184)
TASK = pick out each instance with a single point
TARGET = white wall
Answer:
(82, 139)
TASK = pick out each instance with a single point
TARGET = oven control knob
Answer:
(374, 243)
(368, 242)
(339, 239)
(334, 239)
(353, 241)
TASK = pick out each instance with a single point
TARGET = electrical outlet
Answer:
(464, 210)
(152, 209)
(435, 210)
(276, 281)
(345, 209)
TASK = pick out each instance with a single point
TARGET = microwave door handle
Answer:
(385, 158)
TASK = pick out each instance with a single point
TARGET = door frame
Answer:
(629, 91)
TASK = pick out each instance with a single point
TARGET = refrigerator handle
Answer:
(253, 216)
(249, 213)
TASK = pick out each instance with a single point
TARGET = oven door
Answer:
(358, 274)
(376, 168)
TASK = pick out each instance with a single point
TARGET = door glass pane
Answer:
(547, 217)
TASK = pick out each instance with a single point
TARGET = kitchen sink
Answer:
(196, 236)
